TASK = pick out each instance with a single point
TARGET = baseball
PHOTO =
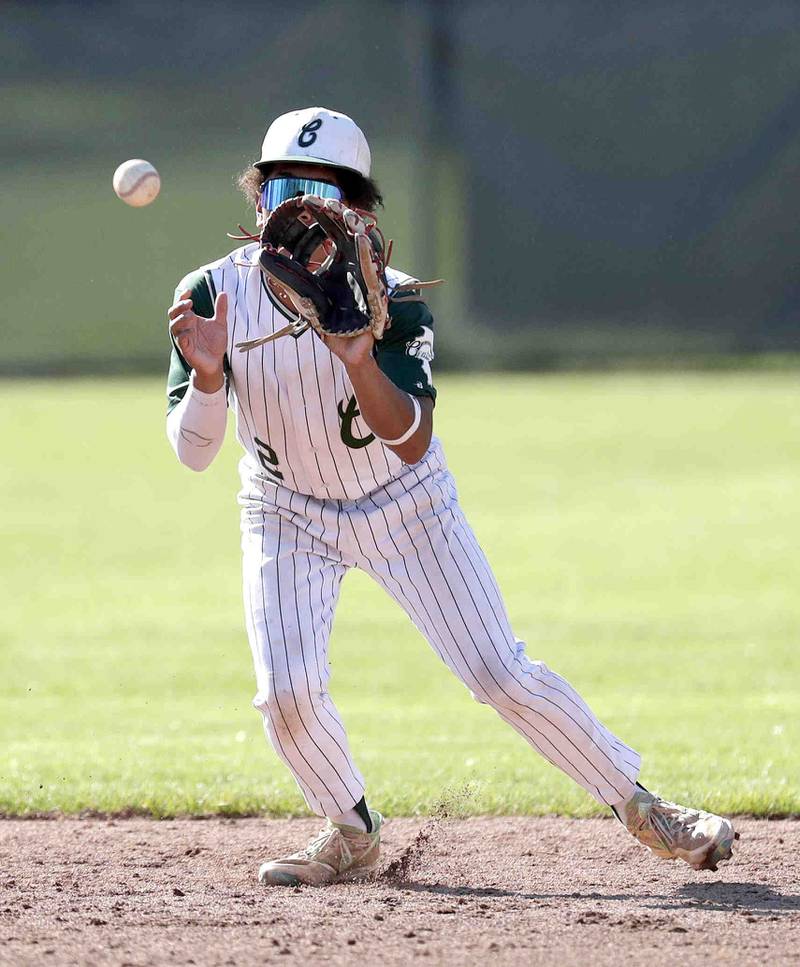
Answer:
(137, 182)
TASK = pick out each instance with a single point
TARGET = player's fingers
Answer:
(177, 307)
(181, 323)
(183, 297)
(221, 307)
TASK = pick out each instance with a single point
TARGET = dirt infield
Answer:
(498, 891)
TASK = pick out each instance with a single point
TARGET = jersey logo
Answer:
(308, 133)
(346, 417)
(421, 348)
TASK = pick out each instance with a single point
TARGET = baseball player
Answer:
(341, 469)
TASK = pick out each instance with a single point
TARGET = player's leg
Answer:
(291, 586)
(421, 549)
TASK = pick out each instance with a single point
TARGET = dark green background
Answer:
(597, 180)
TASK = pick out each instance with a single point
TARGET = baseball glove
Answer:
(324, 262)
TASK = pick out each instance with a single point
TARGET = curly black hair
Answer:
(359, 191)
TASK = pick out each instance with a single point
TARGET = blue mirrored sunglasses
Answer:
(276, 190)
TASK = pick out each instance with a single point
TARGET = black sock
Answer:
(616, 811)
(361, 808)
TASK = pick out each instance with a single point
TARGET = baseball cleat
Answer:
(335, 855)
(673, 832)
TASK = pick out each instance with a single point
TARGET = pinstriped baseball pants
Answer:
(412, 538)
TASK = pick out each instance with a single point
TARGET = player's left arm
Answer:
(196, 416)
(392, 379)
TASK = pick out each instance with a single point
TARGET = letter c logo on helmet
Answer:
(308, 133)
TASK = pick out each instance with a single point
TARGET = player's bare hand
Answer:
(202, 341)
(353, 351)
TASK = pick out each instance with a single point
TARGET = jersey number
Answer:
(268, 458)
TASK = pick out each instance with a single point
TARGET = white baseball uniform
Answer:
(320, 494)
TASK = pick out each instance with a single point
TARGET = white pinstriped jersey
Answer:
(296, 413)
(320, 496)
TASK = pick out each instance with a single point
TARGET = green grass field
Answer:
(644, 529)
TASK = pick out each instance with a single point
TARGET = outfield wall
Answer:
(596, 181)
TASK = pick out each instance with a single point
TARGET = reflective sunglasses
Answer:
(277, 190)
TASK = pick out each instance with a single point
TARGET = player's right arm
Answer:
(196, 385)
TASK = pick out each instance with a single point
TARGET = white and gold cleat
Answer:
(673, 832)
(336, 855)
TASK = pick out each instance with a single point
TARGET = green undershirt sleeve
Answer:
(406, 351)
(201, 286)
